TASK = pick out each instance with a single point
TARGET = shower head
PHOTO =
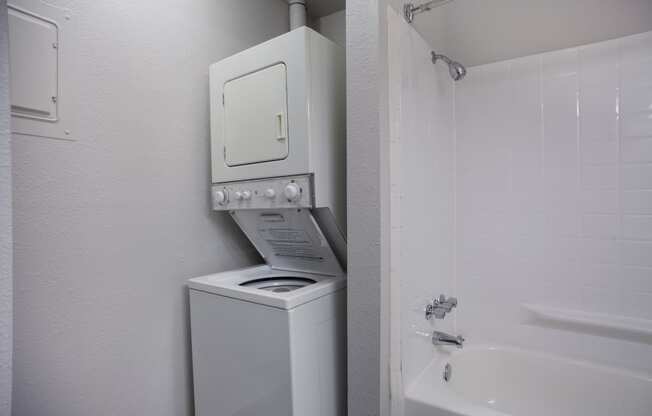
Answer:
(455, 69)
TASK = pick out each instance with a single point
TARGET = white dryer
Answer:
(278, 109)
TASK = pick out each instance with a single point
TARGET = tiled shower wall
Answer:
(529, 182)
(422, 196)
(554, 196)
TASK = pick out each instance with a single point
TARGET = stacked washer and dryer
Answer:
(271, 339)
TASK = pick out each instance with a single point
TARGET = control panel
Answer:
(285, 192)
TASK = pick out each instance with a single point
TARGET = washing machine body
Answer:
(268, 342)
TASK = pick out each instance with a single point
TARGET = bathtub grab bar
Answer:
(611, 326)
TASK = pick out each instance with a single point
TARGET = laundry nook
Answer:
(271, 339)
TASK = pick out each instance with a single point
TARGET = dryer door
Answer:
(255, 117)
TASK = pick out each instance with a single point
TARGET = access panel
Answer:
(33, 47)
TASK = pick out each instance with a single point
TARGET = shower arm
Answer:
(436, 57)
(456, 70)
(410, 9)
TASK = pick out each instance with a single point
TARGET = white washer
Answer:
(268, 342)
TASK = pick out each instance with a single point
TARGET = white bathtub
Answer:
(493, 381)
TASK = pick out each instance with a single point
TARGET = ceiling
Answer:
(319, 8)
(476, 32)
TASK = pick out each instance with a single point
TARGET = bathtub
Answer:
(500, 381)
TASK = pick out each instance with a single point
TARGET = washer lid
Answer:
(233, 284)
(289, 239)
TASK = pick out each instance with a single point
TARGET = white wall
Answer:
(109, 227)
(368, 208)
(554, 197)
(422, 172)
(6, 253)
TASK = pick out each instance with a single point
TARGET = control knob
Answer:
(270, 193)
(221, 197)
(246, 195)
(292, 192)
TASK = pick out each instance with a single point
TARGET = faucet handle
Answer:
(435, 309)
(439, 307)
(444, 301)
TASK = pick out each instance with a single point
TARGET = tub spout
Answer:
(442, 338)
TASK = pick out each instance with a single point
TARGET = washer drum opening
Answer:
(279, 284)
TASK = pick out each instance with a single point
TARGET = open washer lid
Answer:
(289, 239)
(240, 284)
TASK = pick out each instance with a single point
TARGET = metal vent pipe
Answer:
(297, 13)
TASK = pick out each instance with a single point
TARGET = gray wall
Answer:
(333, 26)
(6, 285)
(368, 208)
(109, 227)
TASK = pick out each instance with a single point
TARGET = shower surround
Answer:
(525, 190)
